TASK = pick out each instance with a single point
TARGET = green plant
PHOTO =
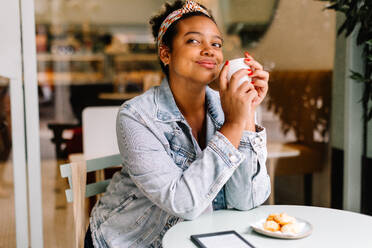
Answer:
(358, 16)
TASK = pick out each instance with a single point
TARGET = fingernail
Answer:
(247, 59)
(249, 69)
(246, 54)
(227, 62)
(250, 74)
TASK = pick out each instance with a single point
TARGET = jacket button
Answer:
(258, 140)
(234, 159)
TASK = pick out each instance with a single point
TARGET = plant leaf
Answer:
(333, 6)
(358, 13)
(351, 26)
(357, 76)
(341, 29)
(363, 36)
(369, 114)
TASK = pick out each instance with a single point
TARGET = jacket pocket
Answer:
(130, 227)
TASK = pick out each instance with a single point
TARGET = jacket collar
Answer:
(166, 107)
(167, 110)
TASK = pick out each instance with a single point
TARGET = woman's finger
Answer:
(258, 83)
(253, 64)
(247, 55)
(261, 90)
(263, 75)
(251, 95)
(245, 87)
(223, 76)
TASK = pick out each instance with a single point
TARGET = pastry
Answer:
(272, 216)
(284, 219)
(271, 225)
(290, 228)
(281, 222)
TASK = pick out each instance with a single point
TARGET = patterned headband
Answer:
(189, 6)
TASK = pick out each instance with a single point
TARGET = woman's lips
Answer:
(207, 64)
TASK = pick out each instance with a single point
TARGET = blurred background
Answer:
(101, 53)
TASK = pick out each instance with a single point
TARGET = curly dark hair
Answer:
(171, 32)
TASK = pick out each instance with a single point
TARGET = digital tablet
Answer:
(224, 239)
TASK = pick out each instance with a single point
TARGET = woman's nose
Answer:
(207, 51)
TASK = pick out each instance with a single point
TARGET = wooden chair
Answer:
(76, 172)
(100, 151)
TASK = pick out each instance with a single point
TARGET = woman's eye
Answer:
(192, 41)
(218, 45)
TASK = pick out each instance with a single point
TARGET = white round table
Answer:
(331, 227)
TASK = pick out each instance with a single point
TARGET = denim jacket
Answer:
(167, 178)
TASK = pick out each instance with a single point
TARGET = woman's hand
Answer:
(260, 78)
(237, 103)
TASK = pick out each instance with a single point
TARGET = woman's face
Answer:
(196, 50)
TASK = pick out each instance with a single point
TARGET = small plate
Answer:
(305, 226)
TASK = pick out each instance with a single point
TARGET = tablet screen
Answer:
(229, 239)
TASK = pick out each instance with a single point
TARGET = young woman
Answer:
(187, 149)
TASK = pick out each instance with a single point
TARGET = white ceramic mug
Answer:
(234, 66)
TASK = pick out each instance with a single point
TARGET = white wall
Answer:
(251, 11)
(302, 36)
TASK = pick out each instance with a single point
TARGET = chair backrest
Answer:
(76, 172)
(99, 131)
(91, 165)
